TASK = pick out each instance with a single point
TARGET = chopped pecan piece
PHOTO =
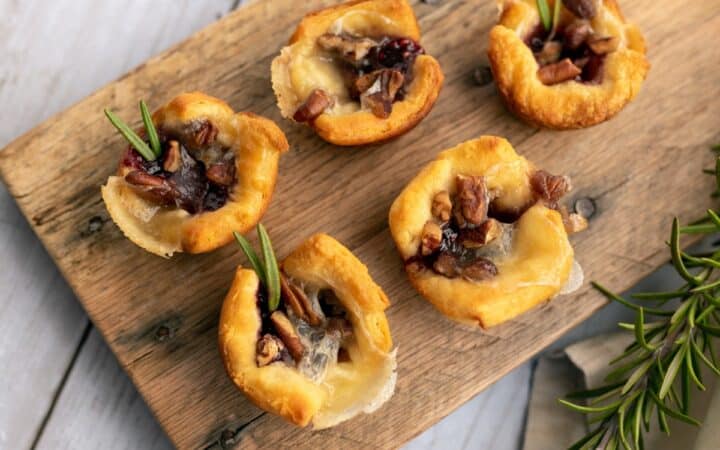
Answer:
(153, 188)
(139, 178)
(446, 264)
(290, 299)
(550, 53)
(473, 198)
(577, 33)
(603, 45)
(478, 236)
(222, 174)
(559, 72)
(269, 349)
(351, 48)
(441, 206)
(574, 223)
(312, 317)
(549, 188)
(378, 90)
(431, 238)
(480, 270)
(317, 102)
(172, 157)
(288, 335)
(205, 134)
(584, 9)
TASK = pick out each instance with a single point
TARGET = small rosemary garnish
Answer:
(549, 21)
(667, 354)
(267, 269)
(150, 127)
(544, 11)
(149, 152)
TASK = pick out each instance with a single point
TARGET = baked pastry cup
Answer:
(579, 72)
(324, 355)
(356, 72)
(215, 174)
(482, 234)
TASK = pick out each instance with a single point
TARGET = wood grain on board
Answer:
(160, 317)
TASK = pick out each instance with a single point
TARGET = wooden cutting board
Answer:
(160, 317)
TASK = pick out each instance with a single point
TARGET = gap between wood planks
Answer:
(61, 385)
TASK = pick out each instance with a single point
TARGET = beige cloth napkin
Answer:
(585, 364)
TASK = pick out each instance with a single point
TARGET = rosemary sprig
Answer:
(150, 127)
(555, 19)
(252, 257)
(544, 11)
(656, 373)
(267, 269)
(149, 152)
(272, 274)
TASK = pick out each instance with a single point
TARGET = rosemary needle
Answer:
(545, 16)
(659, 369)
(150, 128)
(272, 273)
(131, 136)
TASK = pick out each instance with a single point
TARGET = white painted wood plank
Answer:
(54, 54)
(494, 419)
(41, 328)
(99, 408)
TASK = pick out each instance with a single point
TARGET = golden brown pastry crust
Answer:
(257, 143)
(362, 127)
(570, 104)
(541, 258)
(278, 388)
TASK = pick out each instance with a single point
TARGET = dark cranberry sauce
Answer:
(582, 56)
(264, 311)
(392, 53)
(183, 184)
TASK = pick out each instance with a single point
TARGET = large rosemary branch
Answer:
(657, 372)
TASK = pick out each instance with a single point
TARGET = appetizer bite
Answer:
(196, 172)
(308, 341)
(566, 63)
(483, 235)
(357, 73)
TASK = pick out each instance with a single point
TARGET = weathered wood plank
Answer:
(638, 168)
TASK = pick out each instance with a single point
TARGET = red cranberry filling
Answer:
(179, 177)
(392, 53)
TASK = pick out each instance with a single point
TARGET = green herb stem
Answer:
(544, 11)
(150, 128)
(658, 372)
(272, 273)
(134, 140)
